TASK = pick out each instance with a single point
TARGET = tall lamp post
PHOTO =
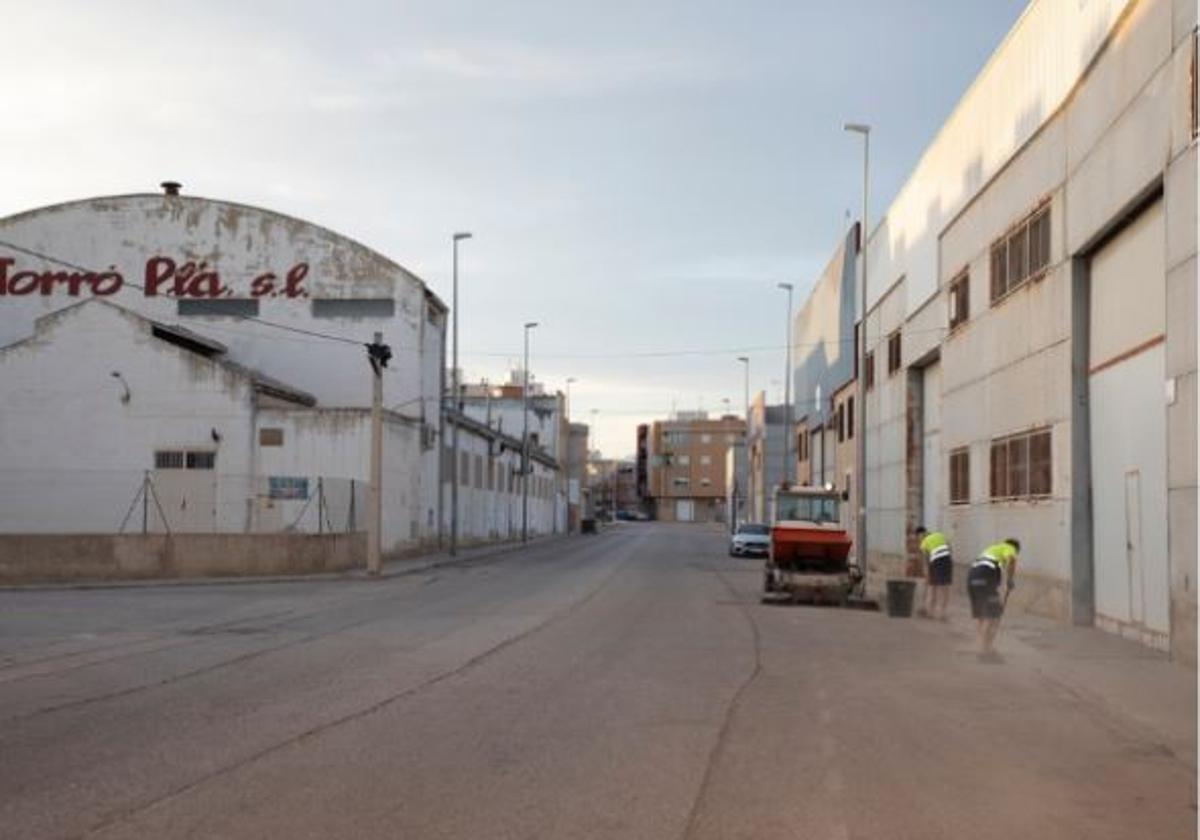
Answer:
(745, 360)
(860, 473)
(525, 440)
(787, 390)
(570, 379)
(457, 403)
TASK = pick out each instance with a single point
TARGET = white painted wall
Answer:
(72, 454)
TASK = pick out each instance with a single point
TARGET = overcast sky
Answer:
(638, 175)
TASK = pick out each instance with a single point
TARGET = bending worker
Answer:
(939, 572)
(997, 563)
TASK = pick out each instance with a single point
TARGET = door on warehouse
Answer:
(685, 510)
(1128, 425)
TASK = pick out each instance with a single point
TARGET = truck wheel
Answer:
(768, 583)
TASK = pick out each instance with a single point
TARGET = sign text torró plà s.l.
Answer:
(163, 276)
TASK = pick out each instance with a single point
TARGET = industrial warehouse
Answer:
(173, 365)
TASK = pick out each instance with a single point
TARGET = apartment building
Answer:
(686, 480)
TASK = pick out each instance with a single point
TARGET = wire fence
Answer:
(178, 501)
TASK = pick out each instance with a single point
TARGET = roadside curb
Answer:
(391, 569)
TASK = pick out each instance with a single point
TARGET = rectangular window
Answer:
(185, 460)
(705, 482)
(960, 301)
(841, 423)
(478, 472)
(960, 476)
(270, 437)
(680, 482)
(999, 484)
(168, 460)
(870, 370)
(1022, 466)
(850, 418)
(1022, 254)
(354, 308)
(218, 307)
(893, 352)
(1039, 464)
(684, 460)
(802, 446)
(464, 469)
(705, 460)
(706, 438)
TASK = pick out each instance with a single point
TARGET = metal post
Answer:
(860, 529)
(748, 494)
(456, 402)
(375, 518)
(567, 411)
(525, 441)
(787, 392)
(145, 501)
(320, 505)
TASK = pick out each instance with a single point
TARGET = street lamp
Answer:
(525, 440)
(457, 403)
(745, 360)
(860, 490)
(567, 411)
(787, 389)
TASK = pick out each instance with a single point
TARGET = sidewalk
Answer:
(397, 567)
(1136, 686)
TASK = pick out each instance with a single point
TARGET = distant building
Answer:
(686, 474)
(737, 483)
(765, 456)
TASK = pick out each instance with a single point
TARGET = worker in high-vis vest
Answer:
(996, 565)
(939, 572)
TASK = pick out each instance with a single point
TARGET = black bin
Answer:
(900, 596)
(587, 526)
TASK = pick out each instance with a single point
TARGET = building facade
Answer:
(1031, 321)
(686, 480)
(766, 437)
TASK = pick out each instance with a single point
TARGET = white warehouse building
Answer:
(180, 364)
(1031, 323)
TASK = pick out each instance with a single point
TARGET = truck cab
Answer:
(810, 546)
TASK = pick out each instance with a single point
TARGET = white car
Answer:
(750, 539)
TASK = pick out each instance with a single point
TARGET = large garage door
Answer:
(685, 510)
(1129, 431)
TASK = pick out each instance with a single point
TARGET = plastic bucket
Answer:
(900, 596)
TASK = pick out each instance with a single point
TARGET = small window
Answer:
(354, 308)
(960, 305)
(705, 482)
(1039, 464)
(218, 307)
(893, 352)
(1022, 254)
(850, 418)
(870, 370)
(680, 482)
(168, 460)
(1022, 466)
(960, 476)
(684, 460)
(840, 415)
(706, 438)
(705, 460)
(201, 460)
(999, 270)
(270, 437)
(999, 484)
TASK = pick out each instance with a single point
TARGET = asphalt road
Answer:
(624, 685)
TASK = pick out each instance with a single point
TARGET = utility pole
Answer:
(787, 392)
(525, 440)
(567, 411)
(456, 402)
(378, 354)
(860, 472)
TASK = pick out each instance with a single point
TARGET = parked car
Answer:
(750, 538)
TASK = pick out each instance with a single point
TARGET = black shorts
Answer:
(941, 571)
(983, 587)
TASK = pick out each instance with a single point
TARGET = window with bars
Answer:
(1021, 466)
(841, 422)
(893, 352)
(960, 476)
(1022, 254)
(180, 459)
(960, 300)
